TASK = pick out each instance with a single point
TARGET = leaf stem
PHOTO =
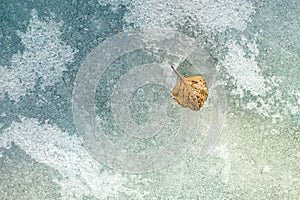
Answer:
(178, 75)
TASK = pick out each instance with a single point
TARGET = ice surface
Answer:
(45, 57)
(244, 70)
(255, 44)
(20, 173)
(207, 19)
(49, 145)
(209, 15)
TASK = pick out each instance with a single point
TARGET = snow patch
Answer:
(211, 15)
(45, 57)
(244, 70)
(47, 144)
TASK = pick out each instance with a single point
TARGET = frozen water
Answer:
(45, 57)
(209, 15)
(244, 70)
(253, 43)
(48, 145)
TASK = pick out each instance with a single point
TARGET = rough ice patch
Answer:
(297, 94)
(45, 57)
(47, 144)
(244, 70)
(223, 153)
(210, 15)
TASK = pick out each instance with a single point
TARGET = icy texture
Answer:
(256, 158)
(123, 81)
(209, 15)
(45, 57)
(225, 25)
(244, 70)
(49, 145)
(268, 95)
(253, 159)
(23, 178)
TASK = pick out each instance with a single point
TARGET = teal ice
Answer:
(254, 46)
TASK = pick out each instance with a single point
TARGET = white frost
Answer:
(244, 70)
(47, 144)
(45, 56)
(211, 15)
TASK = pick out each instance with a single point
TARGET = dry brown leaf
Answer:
(190, 92)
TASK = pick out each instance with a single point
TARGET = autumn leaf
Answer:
(190, 92)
